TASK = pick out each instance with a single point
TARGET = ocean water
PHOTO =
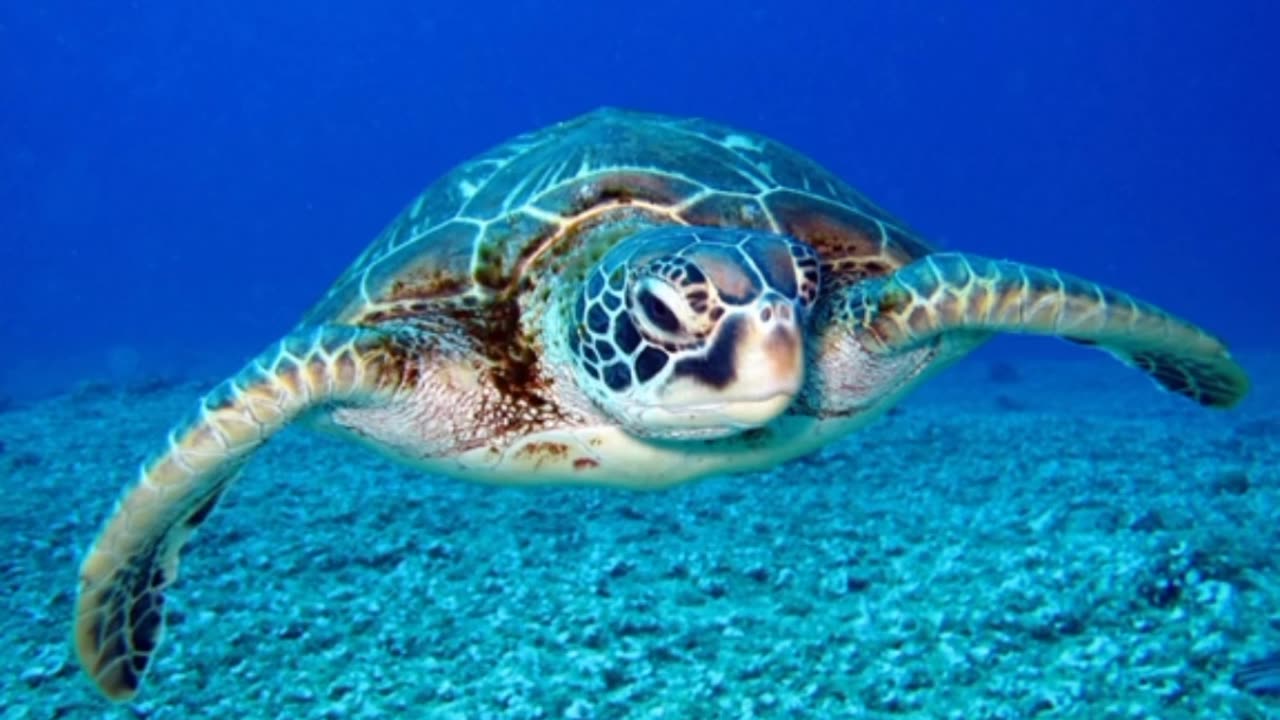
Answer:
(1038, 532)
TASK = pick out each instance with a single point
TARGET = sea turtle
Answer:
(622, 299)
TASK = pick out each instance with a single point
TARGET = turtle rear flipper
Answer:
(120, 609)
(949, 292)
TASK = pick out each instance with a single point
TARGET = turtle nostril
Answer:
(774, 309)
(779, 311)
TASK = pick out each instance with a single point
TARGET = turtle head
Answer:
(684, 332)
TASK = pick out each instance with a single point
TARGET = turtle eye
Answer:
(661, 311)
(657, 312)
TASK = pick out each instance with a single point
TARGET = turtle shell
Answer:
(493, 226)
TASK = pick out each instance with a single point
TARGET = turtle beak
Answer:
(750, 374)
(769, 363)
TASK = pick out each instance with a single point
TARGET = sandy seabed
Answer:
(1043, 540)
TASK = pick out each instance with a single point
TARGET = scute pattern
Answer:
(623, 333)
(605, 331)
(474, 233)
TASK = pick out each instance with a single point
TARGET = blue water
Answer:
(180, 181)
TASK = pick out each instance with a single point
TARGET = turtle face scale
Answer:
(683, 333)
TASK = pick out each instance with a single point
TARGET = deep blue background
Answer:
(179, 180)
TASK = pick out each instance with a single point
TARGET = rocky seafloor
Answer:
(1041, 540)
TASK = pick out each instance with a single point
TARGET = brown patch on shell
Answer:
(585, 463)
(857, 269)
(836, 232)
(620, 187)
(490, 269)
(727, 211)
(443, 272)
(430, 283)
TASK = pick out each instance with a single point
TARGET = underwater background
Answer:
(1038, 532)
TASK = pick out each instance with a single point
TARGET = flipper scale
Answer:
(949, 292)
(120, 608)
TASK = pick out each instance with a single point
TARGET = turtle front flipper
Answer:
(949, 292)
(119, 613)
